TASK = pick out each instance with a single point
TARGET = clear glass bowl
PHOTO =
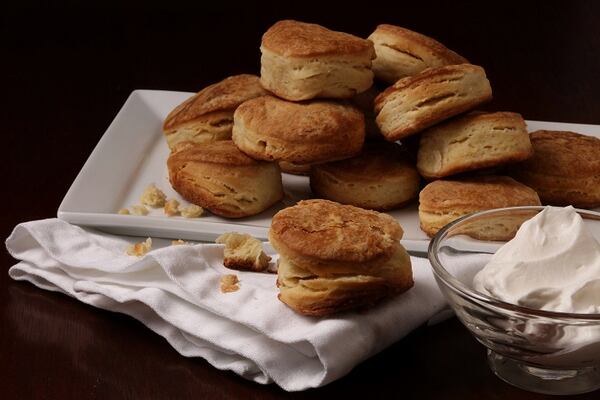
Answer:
(541, 351)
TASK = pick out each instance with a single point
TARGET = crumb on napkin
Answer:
(243, 252)
(229, 283)
(178, 242)
(140, 249)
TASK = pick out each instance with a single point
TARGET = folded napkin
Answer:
(175, 291)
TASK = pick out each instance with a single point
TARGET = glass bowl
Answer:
(540, 351)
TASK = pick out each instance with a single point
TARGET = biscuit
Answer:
(218, 177)
(443, 201)
(380, 178)
(294, 169)
(401, 52)
(208, 115)
(564, 169)
(268, 128)
(473, 141)
(302, 61)
(335, 257)
(435, 94)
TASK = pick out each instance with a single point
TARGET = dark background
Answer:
(68, 69)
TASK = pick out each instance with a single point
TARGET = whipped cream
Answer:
(553, 263)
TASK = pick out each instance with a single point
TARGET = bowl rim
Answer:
(440, 271)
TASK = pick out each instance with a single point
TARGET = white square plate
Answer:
(133, 153)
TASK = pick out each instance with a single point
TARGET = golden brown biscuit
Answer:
(301, 61)
(473, 141)
(335, 257)
(294, 169)
(401, 52)
(564, 169)
(219, 177)
(443, 201)
(380, 178)
(208, 115)
(268, 128)
(435, 94)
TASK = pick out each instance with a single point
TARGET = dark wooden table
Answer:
(66, 73)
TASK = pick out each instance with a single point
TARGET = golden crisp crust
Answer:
(268, 128)
(325, 234)
(221, 152)
(225, 95)
(564, 169)
(397, 37)
(220, 178)
(562, 153)
(475, 194)
(443, 201)
(402, 52)
(380, 178)
(473, 141)
(435, 94)
(290, 38)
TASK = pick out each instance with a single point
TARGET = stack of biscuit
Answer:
(321, 94)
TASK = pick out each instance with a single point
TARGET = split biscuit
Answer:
(335, 258)
(564, 169)
(208, 115)
(401, 52)
(268, 128)
(443, 201)
(435, 94)
(473, 141)
(218, 177)
(302, 61)
(380, 178)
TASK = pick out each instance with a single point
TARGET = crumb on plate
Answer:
(139, 210)
(123, 211)
(171, 207)
(191, 211)
(153, 196)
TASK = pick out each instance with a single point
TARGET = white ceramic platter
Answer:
(132, 154)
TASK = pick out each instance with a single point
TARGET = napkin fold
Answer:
(175, 291)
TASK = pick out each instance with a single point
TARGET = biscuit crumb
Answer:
(229, 283)
(140, 249)
(191, 211)
(178, 242)
(123, 211)
(139, 210)
(171, 207)
(153, 196)
(243, 252)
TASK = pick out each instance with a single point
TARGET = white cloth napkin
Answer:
(175, 291)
